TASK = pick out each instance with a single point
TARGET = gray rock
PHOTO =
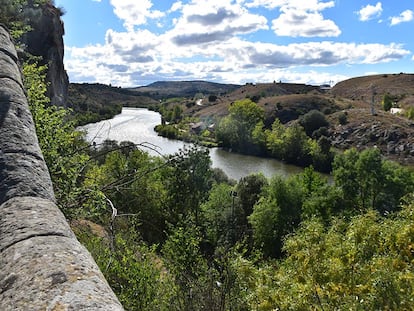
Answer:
(42, 264)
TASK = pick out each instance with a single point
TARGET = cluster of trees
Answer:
(303, 143)
(174, 234)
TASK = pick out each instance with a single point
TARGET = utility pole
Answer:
(373, 93)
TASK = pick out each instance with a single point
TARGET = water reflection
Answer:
(137, 125)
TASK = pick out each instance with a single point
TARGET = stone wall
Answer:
(42, 264)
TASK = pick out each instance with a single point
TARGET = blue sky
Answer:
(137, 42)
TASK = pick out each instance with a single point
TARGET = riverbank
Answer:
(137, 125)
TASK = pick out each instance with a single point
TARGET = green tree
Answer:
(249, 190)
(276, 214)
(187, 183)
(275, 143)
(217, 214)
(134, 271)
(133, 182)
(364, 264)
(312, 121)
(387, 101)
(184, 260)
(296, 146)
(369, 181)
(62, 147)
(235, 130)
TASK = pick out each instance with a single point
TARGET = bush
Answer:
(312, 121)
(387, 102)
(343, 118)
(212, 98)
(410, 113)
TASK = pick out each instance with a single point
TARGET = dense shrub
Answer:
(312, 121)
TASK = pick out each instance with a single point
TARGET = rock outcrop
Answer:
(46, 40)
(394, 139)
(42, 264)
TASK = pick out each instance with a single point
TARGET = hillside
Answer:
(94, 102)
(361, 89)
(168, 89)
(393, 134)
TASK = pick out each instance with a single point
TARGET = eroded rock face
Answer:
(46, 40)
(42, 264)
(394, 140)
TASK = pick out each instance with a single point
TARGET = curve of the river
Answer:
(137, 125)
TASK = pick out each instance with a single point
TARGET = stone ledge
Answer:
(23, 175)
(52, 273)
(22, 218)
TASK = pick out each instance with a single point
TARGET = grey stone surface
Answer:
(42, 264)
(23, 171)
(52, 273)
(24, 217)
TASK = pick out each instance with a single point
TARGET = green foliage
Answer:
(296, 146)
(366, 264)
(167, 130)
(368, 181)
(321, 154)
(387, 101)
(410, 113)
(132, 181)
(235, 131)
(134, 271)
(173, 114)
(312, 121)
(187, 183)
(61, 145)
(343, 118)
(289, 144)
(183, 258)
(276, 214)
(217, 214)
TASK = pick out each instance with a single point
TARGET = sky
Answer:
(131, 43)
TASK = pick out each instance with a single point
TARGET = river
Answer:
(137, 125)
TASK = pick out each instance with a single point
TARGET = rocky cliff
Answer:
(46, 40)
(42, 264)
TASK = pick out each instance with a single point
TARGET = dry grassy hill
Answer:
(393, 134)
(361, 89)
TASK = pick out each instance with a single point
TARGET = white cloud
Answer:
(207, 40)
(135, 13)
(300, 18)
(308, 5)
(405, 16)
(212, 21)
(300, 23)
(176, 6)
(140, 57)
(370, 12)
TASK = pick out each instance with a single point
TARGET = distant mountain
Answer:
(94, 102)
(167, 89)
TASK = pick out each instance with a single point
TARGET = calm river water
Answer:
(137, 125)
